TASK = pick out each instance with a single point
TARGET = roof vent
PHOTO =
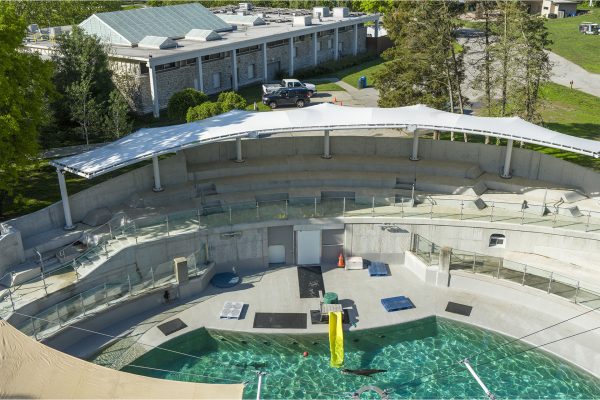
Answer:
(340, 12)
(302, 20)
(33, 28)
(202, 35)
(323, 11)
(157, 42)
(245, 6)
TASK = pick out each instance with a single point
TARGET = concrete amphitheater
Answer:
(510, 232)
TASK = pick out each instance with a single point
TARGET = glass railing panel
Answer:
(94, 298)
(70, 309)
(47, 319)
(332, 207)
(385, 207)
(487, 265)
(588, 298)
(303, 207)
(359, 206)
(564, 286)
(462, 260)
(512, 271)
(537, 278)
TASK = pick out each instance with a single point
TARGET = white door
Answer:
(277, 254)
(309, 247)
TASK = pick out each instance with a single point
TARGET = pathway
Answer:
(565, 71)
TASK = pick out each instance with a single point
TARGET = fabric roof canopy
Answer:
(146, 143)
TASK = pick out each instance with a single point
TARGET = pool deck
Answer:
(500, 306)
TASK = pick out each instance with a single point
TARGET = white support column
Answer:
(65, 199)
(336, 45)
(265, 63)
(326, 153)
(355, 41)
(157, 187)
(238, 150)
(415, 146)
(506, 170)
(234, 73)
(291, 57)
(314, 46)
(154, 92)
(200, 81)
(376, 28)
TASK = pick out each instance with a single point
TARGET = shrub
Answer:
(205, 110)
(230, 101)
(181, 101)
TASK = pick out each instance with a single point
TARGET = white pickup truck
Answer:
(269, 88)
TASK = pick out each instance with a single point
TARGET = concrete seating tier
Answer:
(223, 169)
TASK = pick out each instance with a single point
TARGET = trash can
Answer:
(330, 298)
(362, 82)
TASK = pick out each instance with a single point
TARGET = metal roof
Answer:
(157, 42)
(169, 21)
(148, 142)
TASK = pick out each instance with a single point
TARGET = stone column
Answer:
(326, 153)
(154, 92)
(291, 72)
(238, 150)
(415, 145)
(355, 41)
(265, 62)
(200, 81)
(315, 52)
(336, 44)
(157, 187)
(65, 199)
(234, 73)
(180, 270)
(507, 157)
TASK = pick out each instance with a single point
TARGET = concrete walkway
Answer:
(565, 71)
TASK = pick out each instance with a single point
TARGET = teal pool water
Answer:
(420, 359)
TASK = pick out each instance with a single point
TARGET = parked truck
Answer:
(269, 88)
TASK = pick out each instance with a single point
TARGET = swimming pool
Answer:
(420, 358)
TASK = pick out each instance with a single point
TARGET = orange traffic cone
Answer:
(341, 263)
(335, 99)
(341, 104)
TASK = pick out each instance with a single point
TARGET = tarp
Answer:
(148, 142)
(32, 370)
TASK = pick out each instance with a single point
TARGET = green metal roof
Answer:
(131, 26)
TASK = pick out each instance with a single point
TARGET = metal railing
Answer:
(569, 288)
(96, 246)
(117, 287)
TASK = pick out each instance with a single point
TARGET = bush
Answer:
(205, 110)
(181, 101)
(230, 101)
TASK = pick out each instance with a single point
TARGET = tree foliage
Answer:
(25, 84)
(205, 110)
(230, 101)
(62, 12)
(81, 64)
(182, 101)
(117, 122)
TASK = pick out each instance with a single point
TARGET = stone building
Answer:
(156, 52)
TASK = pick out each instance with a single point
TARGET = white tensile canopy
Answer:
(151, 142)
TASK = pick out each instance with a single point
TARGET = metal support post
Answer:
(522, 214)
(12, 303)
(492, 212)
(167, 223)
(550, 282)
(587, 225)
(431, 211)
(326, 146)
(152, 276)
(474, 260)
(260, 377)
(576, 292)
(462, 205)
(42, 275)
(554, 220)
(238, 150)
(415, 145)
(110, 231)
(506, 170)
(65, 199)
(58, 316)
(487, 392)
(373, 207)
(524, 273)
(286, 209)
(156, 170)
(315, 208)
(402, 207)
(257, 213)
(198, 215)
(129, 283)
(344, 207)
(82, 304)
(230, 218)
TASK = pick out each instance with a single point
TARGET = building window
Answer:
(278, 43)
(497, 240)
(329, 43)
(216, 80)
(325, 33)
(300, 38)
(341, 47)
(545, 8)
(319, 45)
(245, 50)
(295, 52)
(216, 56)
(190, 61)
(251, 69)
(144, 68)
(167, 66)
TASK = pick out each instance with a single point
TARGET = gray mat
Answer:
(280, 320)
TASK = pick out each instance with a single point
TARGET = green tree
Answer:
(117, 122)
(182, 101)
(205, 110)
(231, 100)
(62, 12)
(81, 63)
(25, 86)
(85, 111)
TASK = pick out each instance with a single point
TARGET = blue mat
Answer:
(377, 268)
(225, 280)
(397, 303)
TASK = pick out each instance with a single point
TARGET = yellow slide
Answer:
(336, 339)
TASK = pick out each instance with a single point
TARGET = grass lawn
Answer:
(39, 187)
(329, 87)
(574, 113)
(368, 69)
(583, 50)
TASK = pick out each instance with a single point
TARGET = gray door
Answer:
(272, 69)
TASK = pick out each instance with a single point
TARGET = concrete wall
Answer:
(284, 236)
(12, 249)
(377, 242)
